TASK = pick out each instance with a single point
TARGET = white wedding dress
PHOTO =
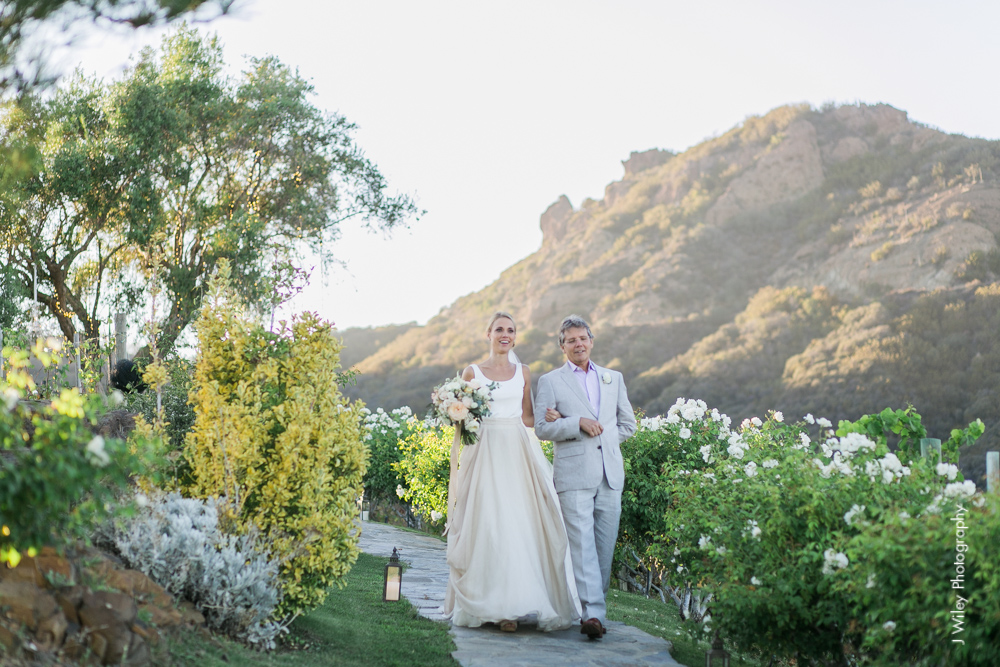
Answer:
(507, 548)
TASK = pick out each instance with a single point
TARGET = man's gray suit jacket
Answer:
(579, 460)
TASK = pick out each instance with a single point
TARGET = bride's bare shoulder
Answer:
(468, 373)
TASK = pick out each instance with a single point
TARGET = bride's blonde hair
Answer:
(496, 316)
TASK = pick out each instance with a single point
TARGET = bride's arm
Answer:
(527, 409)
(468, 373)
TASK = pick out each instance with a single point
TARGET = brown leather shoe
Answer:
(592, 628)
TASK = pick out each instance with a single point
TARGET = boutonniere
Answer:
(606, 378)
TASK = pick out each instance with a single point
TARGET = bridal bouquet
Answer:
(464, 403)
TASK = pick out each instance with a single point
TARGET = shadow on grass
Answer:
(352, 628)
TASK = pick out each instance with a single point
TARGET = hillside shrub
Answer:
(384, 431)
(780, 524)
(232, 580)
(273, 435)
(425, 467)
(57, 478)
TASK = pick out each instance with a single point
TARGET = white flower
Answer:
(436, 516)
(704, 542)
(706, 453)
(95, 448)
(833, 561)
(752, 529)
(721, 551)
(823, 422)
(805, 441)
(756, 421)
(606, 377)
(809, 419)
(10, 398)
(673, 418)
(965, 489)
(871, 581)
(116, 398)
(778, 417)
(400, 490)
(904, 515)
(685, 433)
(948, 470)
(889, 626)
(755, 581)
(853, 512)
(141, 500)
(680, 568)
(770, 463)
(750, 469)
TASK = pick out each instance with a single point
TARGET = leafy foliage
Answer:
(791, 530)
(178, 543)
(178, 164)
(57, 478)
(274, 437)
(425, 467)
(384, 433)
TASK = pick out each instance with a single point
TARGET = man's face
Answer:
(577, 346)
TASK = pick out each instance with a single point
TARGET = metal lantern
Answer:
(718, 656)
(394, 579)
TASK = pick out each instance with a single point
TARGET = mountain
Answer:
(833, 261)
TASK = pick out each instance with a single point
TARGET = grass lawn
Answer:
(663, 620)
(353, 627)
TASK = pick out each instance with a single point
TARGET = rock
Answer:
(96, 607)
(8, 640)
(24, 572)
(191, 615)
(52, 567)
(162, 616)
(26, 604)
(643, 160)
(784, 173)
(553, 221)
(70, 598)
(51, 631)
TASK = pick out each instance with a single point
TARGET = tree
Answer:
(180, 161)
(22, 67)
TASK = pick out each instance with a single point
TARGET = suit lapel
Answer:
(574, 385)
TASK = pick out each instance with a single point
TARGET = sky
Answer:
(486, 113)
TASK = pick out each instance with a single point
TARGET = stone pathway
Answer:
(424, 584)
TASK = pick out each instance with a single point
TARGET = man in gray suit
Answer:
(595, 417)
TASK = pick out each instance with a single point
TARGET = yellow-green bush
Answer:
(274, 436)
(425, 467)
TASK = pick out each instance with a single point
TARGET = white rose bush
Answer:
(805, 542)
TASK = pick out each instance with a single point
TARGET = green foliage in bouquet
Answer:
(425, 467)
(274, 437)
(57, 478)
(780, 524)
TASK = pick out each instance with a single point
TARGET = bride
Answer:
(506, 539)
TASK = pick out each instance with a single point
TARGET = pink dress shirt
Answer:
(590, 384)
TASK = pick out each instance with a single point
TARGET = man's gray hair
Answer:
(573, 322)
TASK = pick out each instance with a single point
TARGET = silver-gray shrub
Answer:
(232, 580)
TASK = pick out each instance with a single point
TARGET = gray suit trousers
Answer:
(591, 517)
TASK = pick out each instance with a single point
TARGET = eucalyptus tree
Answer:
(176, 166)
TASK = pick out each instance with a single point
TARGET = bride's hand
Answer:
(551, 414)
